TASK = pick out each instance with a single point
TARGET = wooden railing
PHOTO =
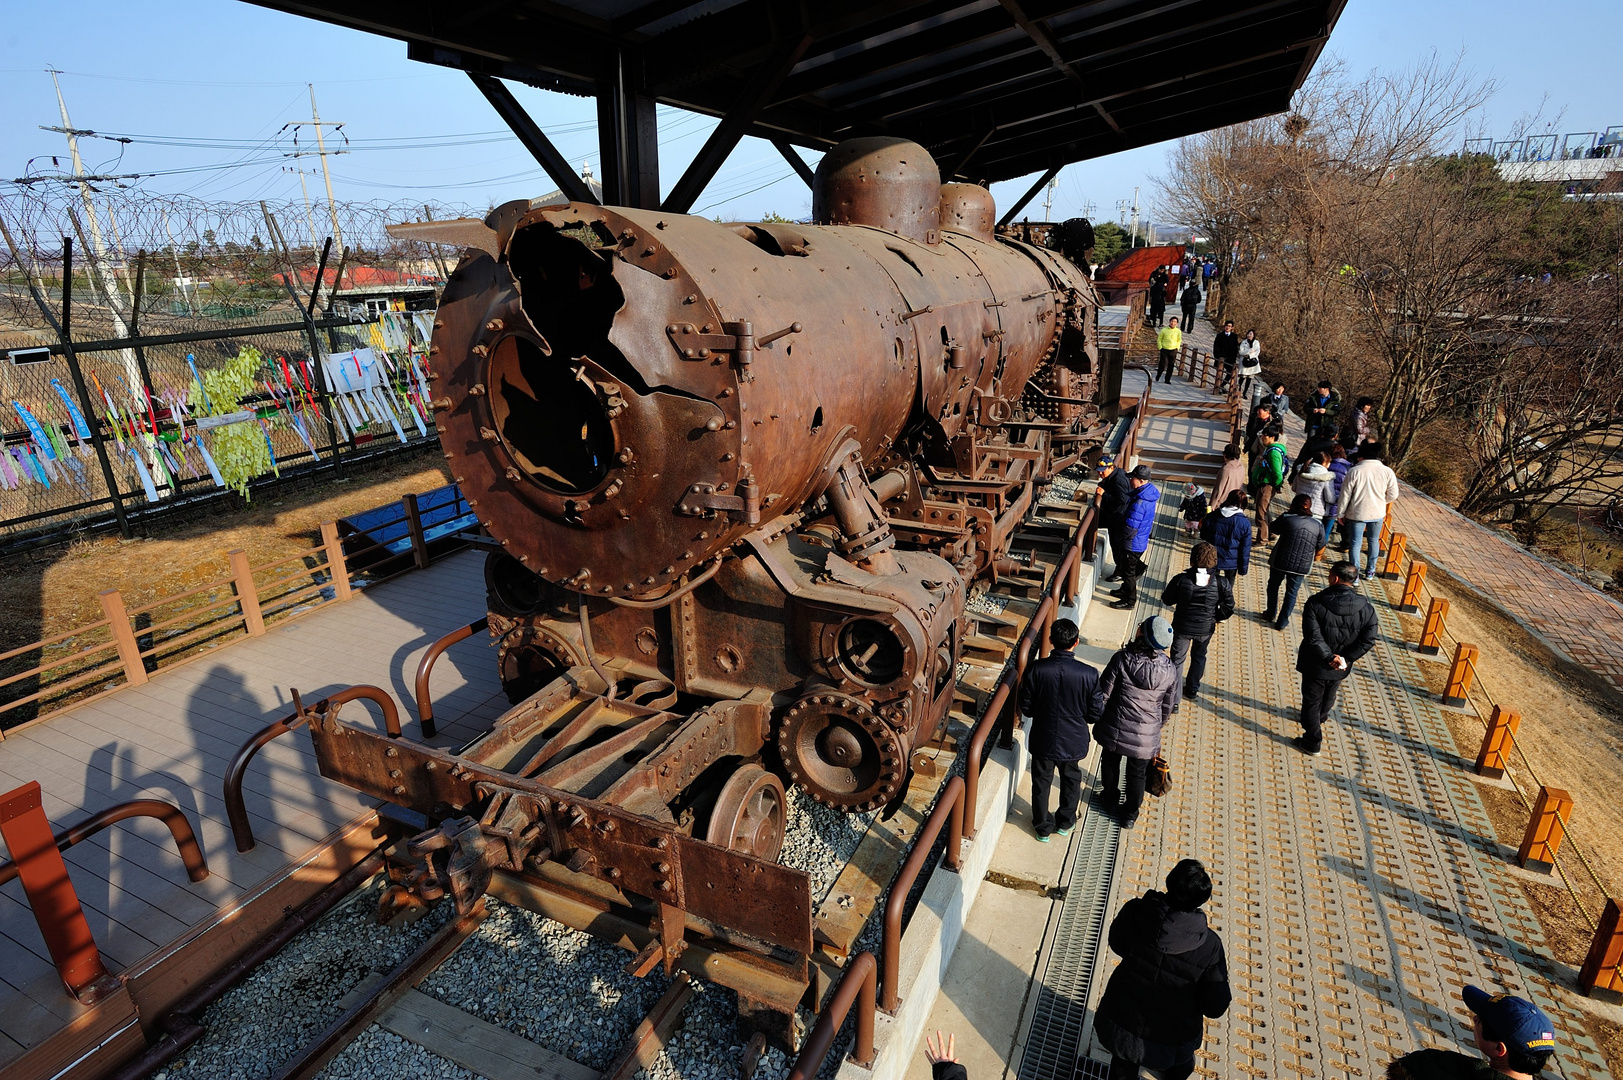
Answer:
(126, 645)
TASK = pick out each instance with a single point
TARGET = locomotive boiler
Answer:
(740, 480)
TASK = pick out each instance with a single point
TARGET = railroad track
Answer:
(507, 992)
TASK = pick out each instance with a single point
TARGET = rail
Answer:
(125, 646)
(949, 807)
(1464, 685)
(857, 983)
(425, 667)
(236, 809)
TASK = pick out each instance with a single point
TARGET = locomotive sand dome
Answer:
(741, 478)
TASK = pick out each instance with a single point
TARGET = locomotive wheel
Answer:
(841, 752)
(750, 814)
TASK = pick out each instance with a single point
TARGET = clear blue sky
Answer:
(233, 74)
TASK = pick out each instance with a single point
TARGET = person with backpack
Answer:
(1268, 473)
(1338, 627)
(1297, 540)
(1173, 972)
(1314, 479)
(1190, 301)
(1140, 687)
(1200, 598)
(1229, 531)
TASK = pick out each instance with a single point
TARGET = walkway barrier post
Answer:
(856, 986)
(414, 528)
(1545, 830)
(1412, 584)
(1601, 976)
(337, 565)
(242, 576)
(1205, 366)
(129, 652)
(1386, 528)
(1497, 741)
(1460, 675)
(1392, 568)
(1431, 635)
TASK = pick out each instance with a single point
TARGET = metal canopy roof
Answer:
(994, 88)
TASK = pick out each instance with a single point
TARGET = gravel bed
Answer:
(291, 997)
(820, 840)
(377, 1054)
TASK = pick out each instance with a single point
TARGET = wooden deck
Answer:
(173, 739)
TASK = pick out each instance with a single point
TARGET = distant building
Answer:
(558, 198)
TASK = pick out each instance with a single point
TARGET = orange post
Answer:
(1410, 604)
(1460, 675)
(333, 545)
(1386, 528)
(1600, 976)
(1394, 552)
(1545, 830)
(1431, 635)
(129, 651)
(1494, 757)
(242, 577)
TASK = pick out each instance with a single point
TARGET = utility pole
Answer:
(322, 152)
(1048, 199)
(1133, 243)
(309, 218)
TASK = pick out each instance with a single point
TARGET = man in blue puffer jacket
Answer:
(1136, 532)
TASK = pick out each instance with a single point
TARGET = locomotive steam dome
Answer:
(882, 181)
(968, 208)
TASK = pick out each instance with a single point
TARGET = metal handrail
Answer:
(236, 810)
(949, 807)
(425, 667)
(857, 982)
(179, 827)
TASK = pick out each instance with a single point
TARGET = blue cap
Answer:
(1107, 461)
(1511, 1020)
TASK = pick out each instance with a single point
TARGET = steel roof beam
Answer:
(534, 139)
(1039, 33)
(796, 162)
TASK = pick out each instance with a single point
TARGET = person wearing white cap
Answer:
(1140, 688)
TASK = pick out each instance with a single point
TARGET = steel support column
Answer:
(627, 136)
(1020, 203)
(796, 162)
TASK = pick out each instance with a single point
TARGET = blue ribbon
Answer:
(79, 424)
(35, 429)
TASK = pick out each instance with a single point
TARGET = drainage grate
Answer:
(1062, 999)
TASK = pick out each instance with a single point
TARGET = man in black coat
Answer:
(1297, 538)
(1114, 495)
(1189, 301)
(1173, 972)
(1338, 627)
(1061, 695)
(1200, 598)
(1226, 350)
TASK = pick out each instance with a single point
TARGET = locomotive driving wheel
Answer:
(750, 814)
(842, 752)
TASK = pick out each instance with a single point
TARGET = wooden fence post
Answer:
(1386, 528)
(1545, 830)
(1431, 635)
(1494, 757)
(247, 595)
(414, 528)
(1461, 673)
(1600, 976)
(129, 653)
(1392, 566)
(1410, 604)
(337, 565)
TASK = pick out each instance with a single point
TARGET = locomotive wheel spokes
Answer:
(751, 814)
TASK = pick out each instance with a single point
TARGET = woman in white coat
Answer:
(1250, 366)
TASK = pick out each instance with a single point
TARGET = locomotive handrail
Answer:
(425, 666)
(859, 979)
(179, 827)
(235, 809)
(949, 805)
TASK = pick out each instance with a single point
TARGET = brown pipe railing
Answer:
(425, 704)
(857, 980)
(949, 806)
(181, 829)
(236, 810)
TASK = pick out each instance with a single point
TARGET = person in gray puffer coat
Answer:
(1139, 687)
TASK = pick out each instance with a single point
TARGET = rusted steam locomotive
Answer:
(741, 478)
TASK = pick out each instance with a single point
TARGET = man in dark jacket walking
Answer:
(1061, 695)
(1338, 627)
(1139, 687)
(1200, 598)
(1226, 350)
(1113, 493)
(1298, 536)
(1173, 972)
(1189, 301)
(1136, 528)
(1323, 410)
